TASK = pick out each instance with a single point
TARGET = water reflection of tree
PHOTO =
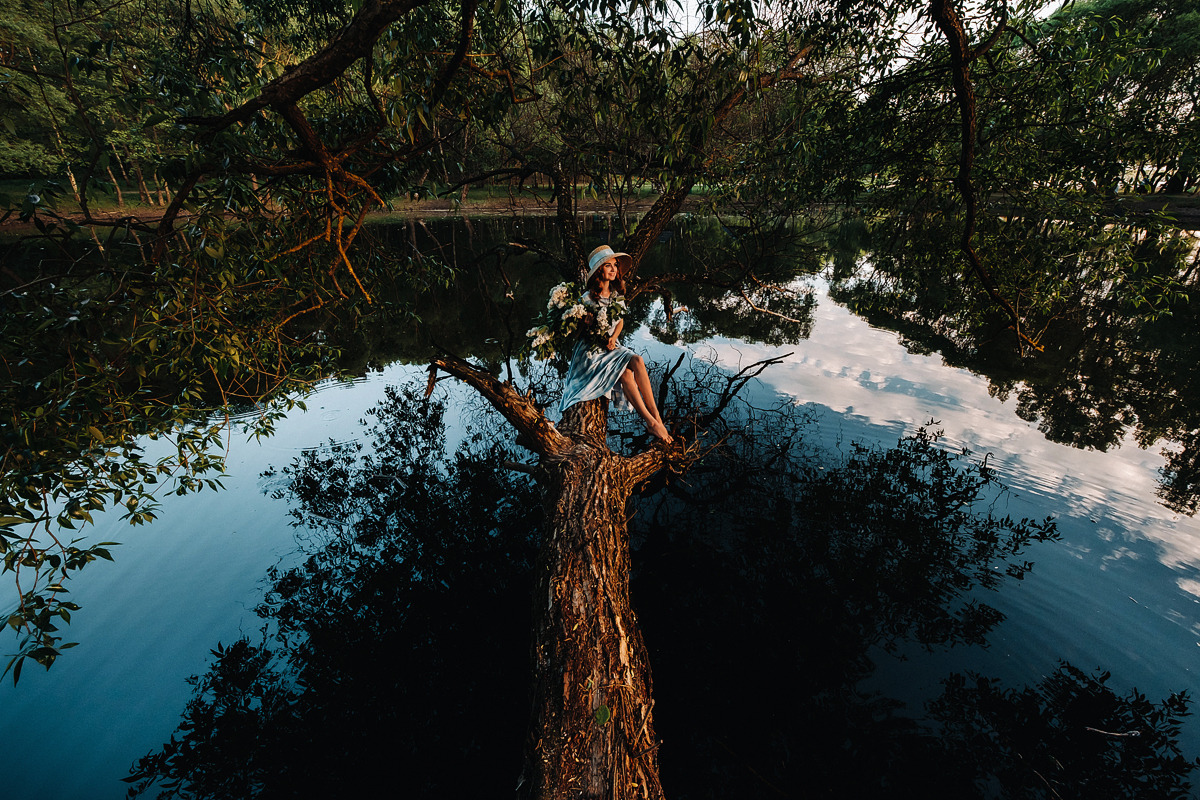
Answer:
(1111, 304)
(768, 582)
(397, 653)
(1068, 736)
(497, 289)
(772, 577)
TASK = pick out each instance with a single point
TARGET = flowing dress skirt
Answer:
(596, 373)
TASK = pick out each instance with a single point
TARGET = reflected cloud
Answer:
(865, 373)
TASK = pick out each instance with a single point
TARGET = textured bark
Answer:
(655, 221)
(592, 727)
(592, 733)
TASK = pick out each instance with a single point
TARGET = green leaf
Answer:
(603, 715)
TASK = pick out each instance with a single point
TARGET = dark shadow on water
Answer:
(397, 650)
(767, 580)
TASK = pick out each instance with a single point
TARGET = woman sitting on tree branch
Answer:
(600, 366)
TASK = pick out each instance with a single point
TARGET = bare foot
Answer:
(658, 429)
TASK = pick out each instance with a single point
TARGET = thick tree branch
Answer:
(166, 225)
(669, 202)
(982, 49)
(534, 431)
(460, 55)
(355, 41)
(656, 219)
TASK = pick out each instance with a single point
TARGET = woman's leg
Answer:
(638, 366)
(633, 393)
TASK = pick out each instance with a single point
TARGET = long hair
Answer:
(615, 286)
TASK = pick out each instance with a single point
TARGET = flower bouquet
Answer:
(570, 314)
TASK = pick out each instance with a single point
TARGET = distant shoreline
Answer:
(1184, 208)
(402, 209)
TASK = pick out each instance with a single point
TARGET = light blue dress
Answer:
(596, 372)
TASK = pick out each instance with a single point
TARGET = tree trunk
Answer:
(120, 165)
(74, 184)
(143, 191)
(592, 733)
(1181, 178)
(592, 729)
(116, 187)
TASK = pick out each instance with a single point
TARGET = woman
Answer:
(611, 371)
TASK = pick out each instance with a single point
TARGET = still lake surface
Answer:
(1120, 591)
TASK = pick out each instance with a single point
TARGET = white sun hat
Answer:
(604, 253)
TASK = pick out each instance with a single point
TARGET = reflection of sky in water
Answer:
(178, 587)
(1120, 592)
(863, 373)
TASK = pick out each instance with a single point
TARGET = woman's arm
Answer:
(612, 338)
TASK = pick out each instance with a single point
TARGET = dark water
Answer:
(1118, 592)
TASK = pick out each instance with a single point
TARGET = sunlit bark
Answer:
(592, 731)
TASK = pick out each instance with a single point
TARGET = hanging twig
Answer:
(961, 55)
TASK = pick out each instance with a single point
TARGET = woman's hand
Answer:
(611, 344)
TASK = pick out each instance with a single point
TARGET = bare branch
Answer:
(762, 310)
(734, 384)
(536, 433)
(666, 381)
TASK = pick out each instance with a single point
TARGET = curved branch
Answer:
(479, 177)
(535, 431)
(735, 383)
(460, 55)
(166, 225)
(669, 202)
(652, 224)
(982, 49)
(947, 20)
(355, 41)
